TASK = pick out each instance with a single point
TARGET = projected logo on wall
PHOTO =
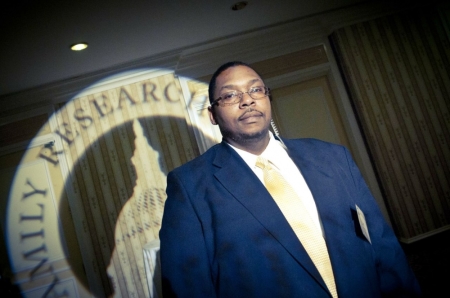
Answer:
(90, 193)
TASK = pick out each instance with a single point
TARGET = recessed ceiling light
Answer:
(79, 46)
(239, 5)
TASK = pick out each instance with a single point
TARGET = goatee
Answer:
(245, 137)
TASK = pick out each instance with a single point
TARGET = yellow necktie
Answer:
(298, 218)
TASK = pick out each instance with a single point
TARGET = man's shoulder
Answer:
(316, 150)
(312, 144)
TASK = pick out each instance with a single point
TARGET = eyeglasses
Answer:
(233, 97)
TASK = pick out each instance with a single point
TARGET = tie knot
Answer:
(261, 162)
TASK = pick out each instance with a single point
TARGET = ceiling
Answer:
(36, 35)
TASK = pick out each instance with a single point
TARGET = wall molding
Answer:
(202, 59)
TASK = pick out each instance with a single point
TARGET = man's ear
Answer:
(211, 115)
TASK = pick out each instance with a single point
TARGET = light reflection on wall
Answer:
(88, 195)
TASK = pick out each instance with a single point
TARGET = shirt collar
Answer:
(273, 152)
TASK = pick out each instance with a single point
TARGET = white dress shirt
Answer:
(281, 161)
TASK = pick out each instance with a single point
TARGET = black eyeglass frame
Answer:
(240, 95)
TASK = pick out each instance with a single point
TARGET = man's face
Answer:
(248, 120)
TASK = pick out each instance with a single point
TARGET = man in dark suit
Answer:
(223, 234)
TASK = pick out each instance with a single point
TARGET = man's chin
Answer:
(246, 137)
(256, 136)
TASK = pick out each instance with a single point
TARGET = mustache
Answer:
(250, 110)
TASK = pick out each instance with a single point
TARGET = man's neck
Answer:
(253, 146)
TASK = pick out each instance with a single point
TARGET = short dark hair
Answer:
(222, 68)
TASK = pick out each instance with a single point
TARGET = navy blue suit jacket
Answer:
(223, 235)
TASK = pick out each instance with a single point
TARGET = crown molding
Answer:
(201, 60)
(284, 38)
(64, 90)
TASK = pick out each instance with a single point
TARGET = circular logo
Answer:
(89, 195)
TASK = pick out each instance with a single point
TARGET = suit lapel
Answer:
(234, 174)
(321, 183)
(327, 193)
